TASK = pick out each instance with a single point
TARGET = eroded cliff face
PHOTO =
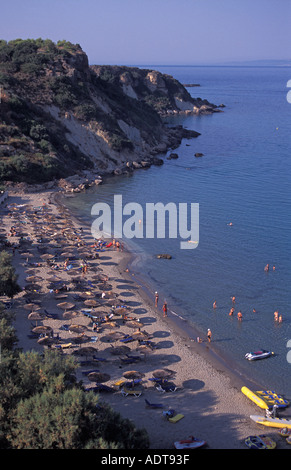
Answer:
(59, 116)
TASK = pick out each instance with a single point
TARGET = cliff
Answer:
(60, 116)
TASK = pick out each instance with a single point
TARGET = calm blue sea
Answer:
(244, 177)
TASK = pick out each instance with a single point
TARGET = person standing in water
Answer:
(209, 335)
(165, 309)
(156, 298)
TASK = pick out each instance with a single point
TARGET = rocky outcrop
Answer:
(61, 116)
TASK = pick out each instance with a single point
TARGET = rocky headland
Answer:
(66, 123)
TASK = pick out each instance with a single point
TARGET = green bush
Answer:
(8, 277)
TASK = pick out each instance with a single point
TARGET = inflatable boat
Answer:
(265, 398)
(260, 442)
(254, 356)
(191, 443)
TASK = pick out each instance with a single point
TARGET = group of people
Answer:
(165, 306)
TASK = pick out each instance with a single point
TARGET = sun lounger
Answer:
(93, 339)
(65, 346)
(166, 388)
(157, 380)
(127, 391)
(128, 339)
(153, 405)
(119, 383)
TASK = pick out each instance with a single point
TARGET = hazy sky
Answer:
(156, 32)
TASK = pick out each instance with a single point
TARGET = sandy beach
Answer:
(208, 394)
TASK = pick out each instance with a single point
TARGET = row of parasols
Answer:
(131, 375)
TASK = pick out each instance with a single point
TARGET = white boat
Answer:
(261, 354)
(190, 443)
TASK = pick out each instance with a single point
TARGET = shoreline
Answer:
(209, 393)
(180, 325)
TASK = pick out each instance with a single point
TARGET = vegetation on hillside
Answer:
(38, 73)
(42, 82)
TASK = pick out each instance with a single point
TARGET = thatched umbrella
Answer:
(36, 316)
(91, 303)
(30, 287)
(46, 340)
(86, 351)
(47, 256)
(27, 254)
(120, 311)
(163, 374)
(134, 324)
(144, 349)
(80, 339)
(140, 335)
(109, 324)
(112, 337)
(66, 305)
(33, 278)
(118, 350)
(32, 307)
(77, 328)
(69, 315)
(132, 375)
(42, 329)
(99, 377)
(53, 279)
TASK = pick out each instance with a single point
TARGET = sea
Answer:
(242, 185)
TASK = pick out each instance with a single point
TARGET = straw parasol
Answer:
(69, 315)
(47, 256)
(77, 328)
(144, 349)
(163, 373)
(53, 279)
(139, 335)
(109, 324)
(36, 316)
(91, 303)
(32, 307)
(42, 329)
(118, 350)
(33, 278)
(66, 305)
(134, 324)
(80, 339)
(46, 340)
(99, 377)
(132, 375)
(27, 254)
(86, 351)
(112, 336)
(120, 311)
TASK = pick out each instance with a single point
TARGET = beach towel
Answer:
(176, 418)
